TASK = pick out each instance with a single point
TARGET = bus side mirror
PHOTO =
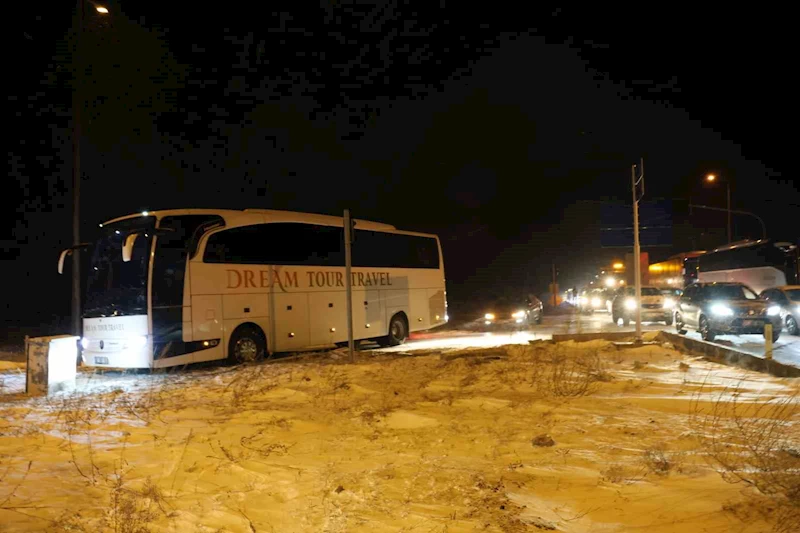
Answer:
(127, 247)
(63, 255)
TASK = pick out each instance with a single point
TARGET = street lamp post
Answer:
(77, 104)
(76, 177)
(711, 178)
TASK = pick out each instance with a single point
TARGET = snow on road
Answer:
(786, 350)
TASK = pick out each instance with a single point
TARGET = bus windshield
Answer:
(115, 287)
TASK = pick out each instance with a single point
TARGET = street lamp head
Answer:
(101, 9)
(711, 177)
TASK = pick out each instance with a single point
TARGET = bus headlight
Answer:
(721, 310)
(596, 302)
(630, 304)
(773, 310)
(518, 314)
(669, 303)
(85, 343)
(136, 342)
(489, 316)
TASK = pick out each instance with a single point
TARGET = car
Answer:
(594, 300)
(787, 298)
(514, 311)
(655, 306)
(675, 294)
(725, 308)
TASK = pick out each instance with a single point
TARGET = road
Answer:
(786, 350)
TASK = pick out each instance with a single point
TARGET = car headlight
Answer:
(596, 302)
(669, 303)
(85, 343)
(630, 304)
(721, 310)
(489, 316)
(773, 310)
(138, 341)
(518, 314)
(584, 300)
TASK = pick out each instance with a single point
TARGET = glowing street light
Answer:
(618, 266)
(101, 9)
(711, 177)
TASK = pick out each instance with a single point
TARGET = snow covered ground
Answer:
(570, 437)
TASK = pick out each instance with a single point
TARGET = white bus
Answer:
(760, 264)
(173, 287)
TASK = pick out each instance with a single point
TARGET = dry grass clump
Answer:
(657, 460)
(562, 371)
(756, 442)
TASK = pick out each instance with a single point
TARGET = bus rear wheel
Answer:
(398, 332)
(247, 345)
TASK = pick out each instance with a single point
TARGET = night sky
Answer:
(503, 132)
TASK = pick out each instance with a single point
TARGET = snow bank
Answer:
(441, 442)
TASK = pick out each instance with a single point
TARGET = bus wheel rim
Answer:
(396, 329)
(246, 350)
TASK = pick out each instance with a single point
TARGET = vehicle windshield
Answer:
(646, 291)
(115, 287)
(729, 292)
(793, 294)
(507, 303)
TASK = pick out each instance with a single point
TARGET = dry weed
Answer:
(657, 460)
(756, 443)
(566, 373)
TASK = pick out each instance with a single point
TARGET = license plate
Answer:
(749, 322)
(101, 360)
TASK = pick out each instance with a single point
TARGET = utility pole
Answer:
(637, 253)
(77, 103)
(555, 288)
(730, 233)
(348, 265)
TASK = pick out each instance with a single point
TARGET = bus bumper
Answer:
(133, 356)
(116, 342)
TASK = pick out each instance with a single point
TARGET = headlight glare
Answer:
(518, 314)
(773, 310)
(721, 310)
(669, 303)
(596, 302)
(630, 304)
(489, 316)
(138, 341)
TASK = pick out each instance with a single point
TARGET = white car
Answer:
(656, 307)
(787, 298)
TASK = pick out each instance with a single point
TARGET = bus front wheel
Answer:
(247, 345)
(398, 332)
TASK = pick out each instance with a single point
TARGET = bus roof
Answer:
(245, 217)
(686, 255)
(749, 242)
